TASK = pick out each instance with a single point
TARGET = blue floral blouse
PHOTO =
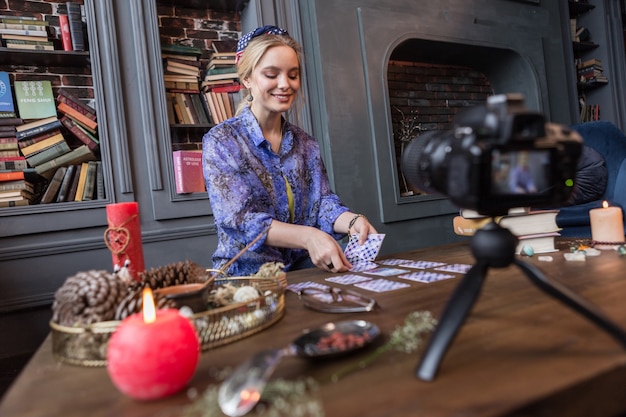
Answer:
(245, 180)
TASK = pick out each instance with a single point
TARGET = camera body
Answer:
(496, 157)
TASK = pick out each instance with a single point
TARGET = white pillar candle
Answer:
(606, 225)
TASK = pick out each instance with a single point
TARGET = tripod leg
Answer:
(572, 300)
(452, 318)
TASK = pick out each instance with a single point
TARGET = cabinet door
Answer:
(161, 137)
(57, 217)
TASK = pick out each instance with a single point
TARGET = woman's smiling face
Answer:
(275, 81)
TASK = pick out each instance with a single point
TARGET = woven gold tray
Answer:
(86, 345)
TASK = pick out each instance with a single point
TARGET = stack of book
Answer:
(25, 33)
(75, 182)
(220, 85)
(79, 119)
(590, 72)
(536, 229)
(17, 188)
(182, 71)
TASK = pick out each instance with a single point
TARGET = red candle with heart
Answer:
(154, 354)
(123, 236)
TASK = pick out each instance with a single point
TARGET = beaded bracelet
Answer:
(354, 219)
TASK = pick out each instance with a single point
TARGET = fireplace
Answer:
(517, 45)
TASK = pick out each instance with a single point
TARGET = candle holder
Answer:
(86, 345)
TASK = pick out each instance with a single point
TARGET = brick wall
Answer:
(196, 27)
(75, 79)
(429, 96)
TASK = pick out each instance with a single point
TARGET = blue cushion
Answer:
(591, 177)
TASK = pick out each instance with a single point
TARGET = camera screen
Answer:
(520, 172)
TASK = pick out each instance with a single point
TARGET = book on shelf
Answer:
(71, 194)
(229, 69)
(12, 175)
(50, 153)
(90, 181)
(203, 116)
(221, 62)
(30, 140)
(82, 178)
(16, 194)
(9, 142)
(66, 183)
(17, 185)
(188, 172)
(34, 99)
(213, 109)
(9, 153)
(100, 193)
(51, 191)
(42, 144)
(66, 36)
(75, 156)
(64, 96)
(175, 70)
(538, 243)
(171, 113)
(35, 126)
(84, 136)
(6, 36)
(7, 104)
(13, 163)
(183, 63)
(183, 105)
(41, 33)
(183, 86)
(18, 23)
(11, 121)
(74, 14)
(14, 203)
(181, 51)
(220, 77)
(180, 78)
(34, 46)
(7, 134)
(77, 116)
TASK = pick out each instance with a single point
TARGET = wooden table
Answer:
(520, 353)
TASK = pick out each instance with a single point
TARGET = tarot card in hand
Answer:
(365, 252)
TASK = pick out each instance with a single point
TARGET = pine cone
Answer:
(173, 274)
(87, 297)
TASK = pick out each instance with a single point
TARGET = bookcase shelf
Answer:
(577, 7)
(56, 58)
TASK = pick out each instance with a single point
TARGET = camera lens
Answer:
(423, 161)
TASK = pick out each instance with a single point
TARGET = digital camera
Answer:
(497, 156)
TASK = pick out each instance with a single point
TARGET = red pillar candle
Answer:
(123, 236)
(154, 354)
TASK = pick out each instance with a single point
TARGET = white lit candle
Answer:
(606, 225)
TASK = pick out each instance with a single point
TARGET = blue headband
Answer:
(265, 30)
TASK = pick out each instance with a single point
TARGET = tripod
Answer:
(494, 246)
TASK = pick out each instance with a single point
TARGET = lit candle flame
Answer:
(605, 204)
(149, 311)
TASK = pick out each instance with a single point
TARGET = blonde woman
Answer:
(262, 171)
